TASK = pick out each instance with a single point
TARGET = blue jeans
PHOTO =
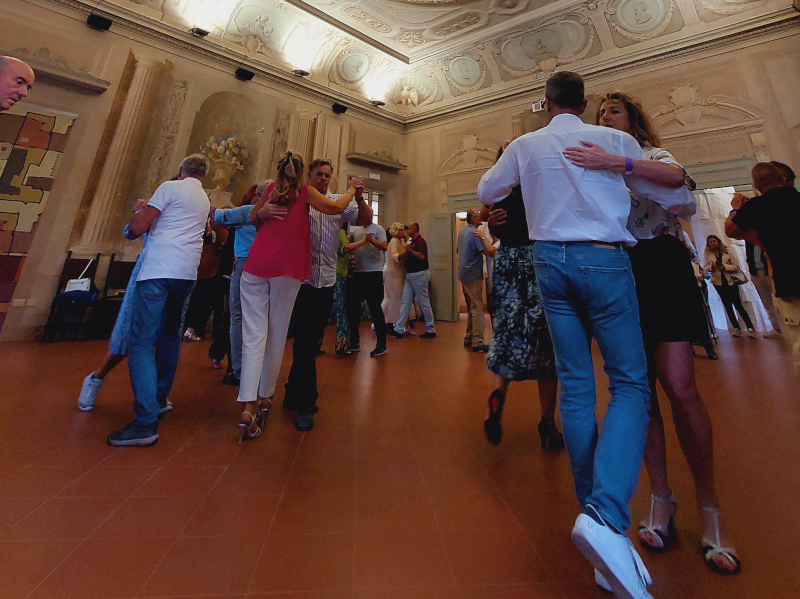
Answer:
(588, 291)
(155, 338)
(416, 285)
(236, 317)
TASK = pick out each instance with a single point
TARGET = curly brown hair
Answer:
(642, 127)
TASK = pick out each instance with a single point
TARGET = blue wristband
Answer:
(628, 166)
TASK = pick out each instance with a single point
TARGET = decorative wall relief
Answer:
(470, 155)
(508, 7)
(568, 39)
(165, 144)
(466, 73)
(351, 67)
(32, 141)
(259, 30)
(280, 141)
(711, 10)
(372, 22)
(411, 39)
(640, 20)
(465, 22)
(414, 89)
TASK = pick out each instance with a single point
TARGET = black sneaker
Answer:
(231, 379)
(134, 435)
(479, 348)
(394, 333)
(427, 335)
(354, 347)
(378, 351)
(344, 353)
(305, 421)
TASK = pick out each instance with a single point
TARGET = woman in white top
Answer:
(394, 273)
(726, 276)
(669, 311)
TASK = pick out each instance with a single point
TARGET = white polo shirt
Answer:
(175, 240)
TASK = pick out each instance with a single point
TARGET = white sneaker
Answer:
(601, 581)
(89, 390)
(614, 556)
(737, 333)
(773, 334)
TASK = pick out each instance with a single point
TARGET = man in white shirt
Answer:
(175, 217)
(367, 284)
(577, 219)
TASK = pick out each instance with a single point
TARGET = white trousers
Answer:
(266, 310)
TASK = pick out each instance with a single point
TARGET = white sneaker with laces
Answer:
(601, 581)
(613, 555)
(89, 390)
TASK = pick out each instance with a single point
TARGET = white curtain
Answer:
(713, 206)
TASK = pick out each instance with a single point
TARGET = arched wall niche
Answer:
(225, 114)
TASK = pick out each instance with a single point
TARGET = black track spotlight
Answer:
(244, 74)
(378, 103)
(197, 32)
(301, 73)
(339, 108)
(98, 23)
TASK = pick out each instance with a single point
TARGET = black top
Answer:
(514, 233)
(775, 217)
(414, 264)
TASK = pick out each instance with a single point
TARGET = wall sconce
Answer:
(377, 103)
(197, 32)
(301, 73)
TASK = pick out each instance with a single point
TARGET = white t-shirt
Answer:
(175, 241)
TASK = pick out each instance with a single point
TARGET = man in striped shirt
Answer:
(315, 298)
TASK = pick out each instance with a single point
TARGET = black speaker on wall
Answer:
(339, 108)
(99, 23)
(244, 74)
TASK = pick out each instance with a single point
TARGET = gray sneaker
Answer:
(165, 407)
(89, 390)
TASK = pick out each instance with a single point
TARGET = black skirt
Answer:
(670, 301)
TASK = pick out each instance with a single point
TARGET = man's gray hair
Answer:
(195, 165)
(3, 61)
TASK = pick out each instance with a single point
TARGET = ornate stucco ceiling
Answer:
(426, 57)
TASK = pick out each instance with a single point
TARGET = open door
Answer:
(440, 256)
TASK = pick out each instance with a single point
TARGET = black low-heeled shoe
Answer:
(549, 435)
(494, 432)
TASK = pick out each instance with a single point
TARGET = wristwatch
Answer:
(628, 166)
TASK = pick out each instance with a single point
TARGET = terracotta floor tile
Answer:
(315, 480)
(108, 482)
(180, 482)
(471, 509)
(204, 455)
(294, 563)
(408, 593)
(25, 564)
(38, 482)
(14, 510)
(308, 595)
(84, 455)
(237, 516)
(328, 513)
(205, 566)
(494, 557)
(542, 590)
(388, 478)
(149, 517)
(402, 559)
(102, 568)
(65, 518)
(394, 512)
(252, 481)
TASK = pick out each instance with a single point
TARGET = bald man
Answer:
(16, 78)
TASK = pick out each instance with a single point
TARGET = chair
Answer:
(68, 311)
(104, 313)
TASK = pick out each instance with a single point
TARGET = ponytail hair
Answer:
(290, 174)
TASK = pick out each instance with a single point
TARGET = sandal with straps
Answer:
(248, 427)
(652, 535)
(713, 549)
(491, 426)
(264, 407)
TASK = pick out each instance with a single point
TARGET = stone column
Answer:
(95, 236)
(303, 138)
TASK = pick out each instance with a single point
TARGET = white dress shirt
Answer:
(565, 202)
(325, 241)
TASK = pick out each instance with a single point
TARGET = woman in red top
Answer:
(279, 260)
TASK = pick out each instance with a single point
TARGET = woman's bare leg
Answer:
(111, 361)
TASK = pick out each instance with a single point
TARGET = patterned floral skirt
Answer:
(340, 312)
(521, 348)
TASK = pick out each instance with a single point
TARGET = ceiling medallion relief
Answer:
(640, 20)
(542, 50)
(351, 67)
(465, 73)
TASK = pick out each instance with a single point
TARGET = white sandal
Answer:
(712, 549)
(650, 530)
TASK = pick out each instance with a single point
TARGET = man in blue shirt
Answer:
(471, 250)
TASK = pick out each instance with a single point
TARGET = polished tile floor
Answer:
(394, 494)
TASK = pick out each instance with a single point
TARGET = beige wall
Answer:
(744, 105)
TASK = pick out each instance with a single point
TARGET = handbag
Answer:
(81, 283)
(740, 278)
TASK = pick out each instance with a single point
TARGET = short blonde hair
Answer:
(396, 228)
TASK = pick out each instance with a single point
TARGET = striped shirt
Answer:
(325, 241)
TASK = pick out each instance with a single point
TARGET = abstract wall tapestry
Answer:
(32, 142)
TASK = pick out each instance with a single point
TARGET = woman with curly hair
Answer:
(670, 311)
(278, 261)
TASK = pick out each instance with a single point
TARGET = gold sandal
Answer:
(264, 407)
